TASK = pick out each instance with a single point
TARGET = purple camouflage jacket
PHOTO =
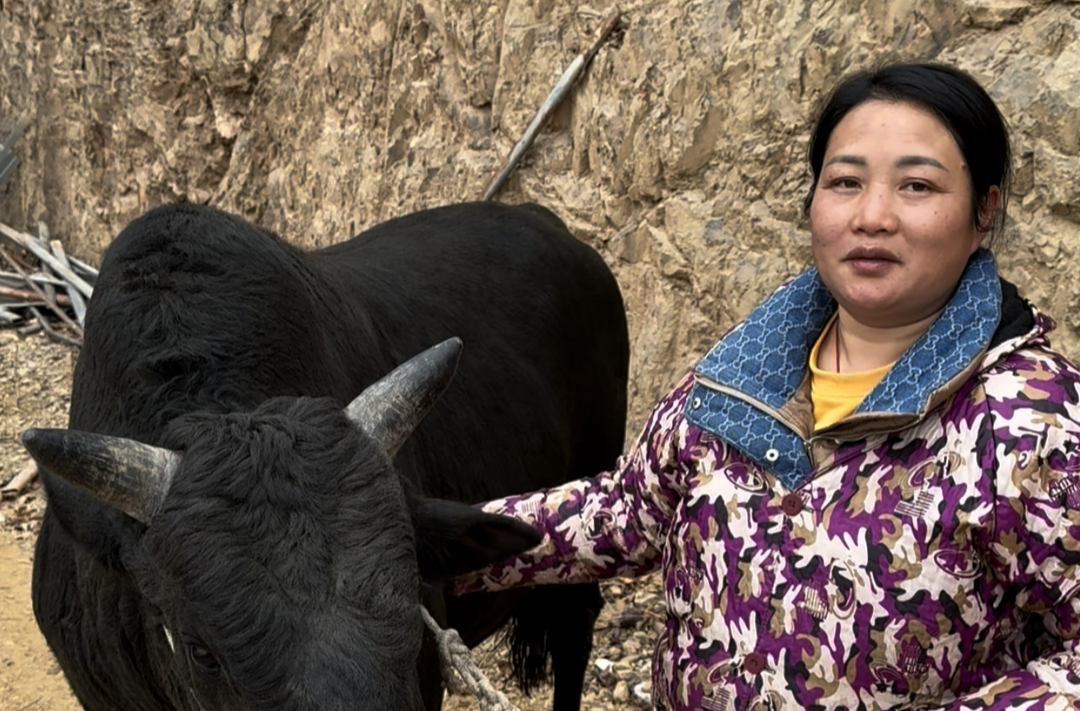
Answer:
(923, 553)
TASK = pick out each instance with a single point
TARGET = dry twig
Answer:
(19, 482)
(77, 301)
(52, 332)
(61, 300)
(31, 245)
(52, 304)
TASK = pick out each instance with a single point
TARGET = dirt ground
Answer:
(35, 381)
(35, 378)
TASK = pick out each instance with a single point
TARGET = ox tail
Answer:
(550, 633)
(530, 658)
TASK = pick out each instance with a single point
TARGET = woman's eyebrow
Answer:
(908, 161)
(902, 162)
(850, 159)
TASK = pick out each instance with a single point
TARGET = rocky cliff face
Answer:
(680, 156)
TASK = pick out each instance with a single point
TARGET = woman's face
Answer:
(891, 220)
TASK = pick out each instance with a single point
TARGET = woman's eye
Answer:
(917, 187)
(845, 183)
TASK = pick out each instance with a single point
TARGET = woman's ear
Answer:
(988, 208)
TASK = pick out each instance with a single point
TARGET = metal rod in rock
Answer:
(52, 304)
(53, 333)
(8, 160)
(8, 164)
(562, 88)
(31, 245)
(20, 126)
(77, 301)
(20, 481)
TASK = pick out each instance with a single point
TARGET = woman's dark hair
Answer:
(955, 98)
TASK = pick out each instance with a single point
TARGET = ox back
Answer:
(198, 311)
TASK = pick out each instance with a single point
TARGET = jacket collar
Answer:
(765, 357)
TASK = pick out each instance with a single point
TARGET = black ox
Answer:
(245, 512)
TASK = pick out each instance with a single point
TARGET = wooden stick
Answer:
(83, 267)
(53, 333)
(20, 481)
(26, 265)
(52, 305)
(12, 279)
(561, 90)
(77, 301)
(61, 300)
(7, 316)
(31, 245)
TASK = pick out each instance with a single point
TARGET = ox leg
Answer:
(570, 640)
(556, 623)
(428, 665)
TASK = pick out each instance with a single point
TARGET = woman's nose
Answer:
(875, 212)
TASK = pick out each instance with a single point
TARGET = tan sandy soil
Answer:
(30, 679)
(35, 377)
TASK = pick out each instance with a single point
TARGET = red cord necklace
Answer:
(836, 342)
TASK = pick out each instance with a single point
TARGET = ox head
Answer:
(278, 555)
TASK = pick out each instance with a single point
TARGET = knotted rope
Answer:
(459, 671)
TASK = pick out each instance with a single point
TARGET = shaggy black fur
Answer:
(287, 560)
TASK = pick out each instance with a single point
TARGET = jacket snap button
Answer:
(791, 504)
(697, 403)
(754, 663)
(772, 455)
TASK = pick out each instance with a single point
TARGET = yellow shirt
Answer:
(837, 395)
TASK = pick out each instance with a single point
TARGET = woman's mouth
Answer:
(871, 260)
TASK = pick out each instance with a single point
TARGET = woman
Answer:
(867, 495)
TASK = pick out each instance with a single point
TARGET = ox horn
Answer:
(127, 475)
(390, 409)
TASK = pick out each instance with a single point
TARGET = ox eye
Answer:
(202, 658)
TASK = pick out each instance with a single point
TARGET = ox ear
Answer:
(127, 475)
(454, 538)
(390, 409)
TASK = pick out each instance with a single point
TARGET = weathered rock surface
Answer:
(680, 155)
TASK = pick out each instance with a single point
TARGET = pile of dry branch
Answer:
(41, 287)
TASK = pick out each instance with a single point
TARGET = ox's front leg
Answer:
(428, 664)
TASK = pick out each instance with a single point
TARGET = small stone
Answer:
(630, 617)
(643, 692)
(621, 693)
